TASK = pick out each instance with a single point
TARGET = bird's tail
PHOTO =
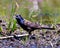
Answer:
(47, 28)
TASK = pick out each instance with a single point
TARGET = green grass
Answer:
(0, 29)
(11, 20)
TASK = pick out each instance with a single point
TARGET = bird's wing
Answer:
(31, 24)
(35, 25)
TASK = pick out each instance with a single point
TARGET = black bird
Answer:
(29, 26)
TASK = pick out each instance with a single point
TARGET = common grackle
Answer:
(29, 26)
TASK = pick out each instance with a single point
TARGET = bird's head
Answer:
(19, 18)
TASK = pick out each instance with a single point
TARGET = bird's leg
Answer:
(30, 34)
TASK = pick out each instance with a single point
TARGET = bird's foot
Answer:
(32, 36)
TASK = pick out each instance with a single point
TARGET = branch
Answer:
(6, 37)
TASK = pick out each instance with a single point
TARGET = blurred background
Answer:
(39, 11)
(42, 11)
